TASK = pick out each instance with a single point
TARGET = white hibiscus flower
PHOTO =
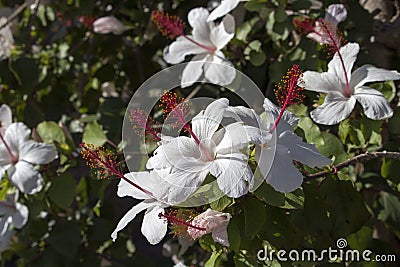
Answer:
(18, 155)
(208, 150)
(282, 175)
(344, 88)
(205, 43)
(154, 228)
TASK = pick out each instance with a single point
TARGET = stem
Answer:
(117, 173)
(14, 15)
(182, 222)
(359, 158)
(336, 47)
(14, 159)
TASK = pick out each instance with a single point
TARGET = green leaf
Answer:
(62, 190)
(213, 258)
(388, 89)
(253, 208)
(360, 240)
(257, 58)
(94, 134)
(332, 147)
(391, 170)
(49, 131)
(221, 203)
(266, 193)
(255, 5)
(234, 232)
(294, 200)
(65, 239)
(311, 131)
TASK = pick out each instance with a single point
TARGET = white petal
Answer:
(178, 50)
(322, 82)
(129, 216)
(335, 14)
(20, 217)
(301, 151)
(197, 18)
(375, 105)
(16, 135)
(5, 240)
(335, 109)
(349, 54)
(233, 174)
(193, 70)
(154, 228)
(288, 120)
(151, 181)
(5, 118)
(220, 235)
(5, 159)
(4, 223)
(169, 154)
(25, 178)
(283, 176)
(224, 8)
(237, 136)
(37, 153)
(109, 24)
(223, 33)
(246, 115)
(207, 122)
(184, 182)
(369, 73)
(219, 70)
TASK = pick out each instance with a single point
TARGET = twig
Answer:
(14, 15)
(359, 158)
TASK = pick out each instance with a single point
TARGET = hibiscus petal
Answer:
(16, 135)
(25, 178)
(303, 152)
(335, 14)
(220, 235)
(37, 153)
(197, 18)
(246, 115)
(223, 33)
(219, 70)
(178, 50)
(154, 228)
(283, 176)
(5, 117)
(349, 54)
(233, 174)
(169, 154)
(224, 8)
(207, 122)
(321, 82)
(335, 109)
(151, 181)
(369, 73)
(375, 105)
(193, 70)
(20, 217)
(288, 120)
(130, 215)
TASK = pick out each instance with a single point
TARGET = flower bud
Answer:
(109, 24)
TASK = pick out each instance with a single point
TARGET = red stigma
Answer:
(180, 221)
(288, 92)
(169, 26)
(175, 109)
(140, 120)
(303, 25)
